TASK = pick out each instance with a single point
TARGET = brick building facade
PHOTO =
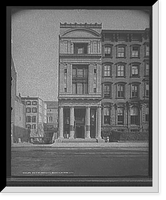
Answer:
(35, 115)
(125, 79)
(103, 80)
(52, 113)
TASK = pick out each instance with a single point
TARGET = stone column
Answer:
(99, 122)
(61, 122)
(102, 116)
(87, 122)
(72, 122)
(140, 115)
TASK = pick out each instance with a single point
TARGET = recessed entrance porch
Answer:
(80, 122)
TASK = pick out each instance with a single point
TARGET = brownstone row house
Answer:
(103, 80)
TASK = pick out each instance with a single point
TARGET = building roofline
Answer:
(124, 31)
(73, 25)
(29, 97)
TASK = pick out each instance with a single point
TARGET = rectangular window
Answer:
(120, 70)
(33, 126)
(146, 117)
(28, 110)
(28, 102)
(134, 119)
(120, 113)
(34, 110)
(120, 91)
(106, 112)
(28, 126)
(135, 51)
(34, 102)
(134, 70)
(147, 114)
(107, 51)
(147, 89)
(107, 70)
(134, 116)
(79, 72)
(80, 48)
(80, 88)
(80, 79)
(147, 50)
(120, 52)
(107, 90)
(28, 118)
(33, 118)
(146, 69)
(50, 119)
(134, 91)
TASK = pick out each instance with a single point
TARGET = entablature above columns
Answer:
(81, 60)
(80, 103)
(87, 62)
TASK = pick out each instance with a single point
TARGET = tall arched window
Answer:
(134, 114)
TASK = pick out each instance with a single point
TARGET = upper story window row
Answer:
(120, 51)
(126, 37)
(31, 102)
(120, 69)
(80, 48)
(94, 47)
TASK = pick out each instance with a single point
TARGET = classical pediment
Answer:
(80, 33)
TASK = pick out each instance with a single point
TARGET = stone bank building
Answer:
(103, 80)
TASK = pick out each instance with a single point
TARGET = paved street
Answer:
(84, 160)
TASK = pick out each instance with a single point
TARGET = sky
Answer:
(35, 42)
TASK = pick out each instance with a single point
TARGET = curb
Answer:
(86, 145)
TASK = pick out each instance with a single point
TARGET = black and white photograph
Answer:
(81, 97)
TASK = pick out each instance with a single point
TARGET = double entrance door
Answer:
(79, 122)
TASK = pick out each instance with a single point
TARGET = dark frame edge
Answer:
(58, 182)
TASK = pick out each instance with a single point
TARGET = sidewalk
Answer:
(141, 144)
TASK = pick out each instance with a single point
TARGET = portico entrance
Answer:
(82, 122)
